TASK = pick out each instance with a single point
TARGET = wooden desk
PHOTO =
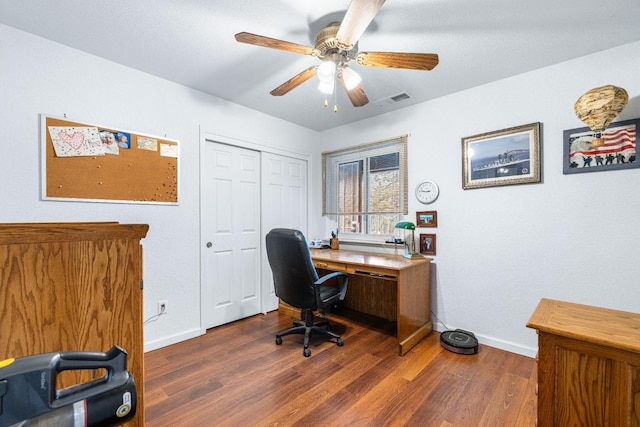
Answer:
(387, 286)
(588, 365)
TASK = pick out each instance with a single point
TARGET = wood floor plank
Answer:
(528, 412)
(298, 406)
(414, 362)
(508, 393)
(425, 398)
(235, 375)
(441, 384)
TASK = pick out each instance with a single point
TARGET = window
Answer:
(365, 187)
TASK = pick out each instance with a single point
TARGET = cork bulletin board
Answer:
(85, 162)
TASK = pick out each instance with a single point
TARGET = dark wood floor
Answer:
(236, 375)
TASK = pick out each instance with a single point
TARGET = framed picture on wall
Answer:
(427, 219)
(504, 157)
(428, 244)
(613, 149)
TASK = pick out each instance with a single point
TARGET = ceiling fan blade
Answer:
(358, 17)
(356, 95)
(275, 44)
(411, 61)
(295, 81)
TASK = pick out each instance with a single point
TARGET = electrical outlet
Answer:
(162, 307)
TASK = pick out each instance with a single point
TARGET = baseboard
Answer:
(174, 339)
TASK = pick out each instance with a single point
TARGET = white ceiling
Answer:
(191, 42)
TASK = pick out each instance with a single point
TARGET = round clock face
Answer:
(427, 192)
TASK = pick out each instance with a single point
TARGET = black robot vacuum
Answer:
(459, 341)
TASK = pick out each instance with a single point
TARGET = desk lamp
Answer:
(411, 249)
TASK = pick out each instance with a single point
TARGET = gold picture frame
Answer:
(505, 157)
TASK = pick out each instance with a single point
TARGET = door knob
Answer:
(209, 244)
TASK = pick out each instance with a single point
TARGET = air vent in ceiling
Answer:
(400, 97)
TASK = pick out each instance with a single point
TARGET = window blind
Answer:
(353, 162)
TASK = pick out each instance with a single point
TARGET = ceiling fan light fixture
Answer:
(326, 71)
(351, 78)
(326, 87)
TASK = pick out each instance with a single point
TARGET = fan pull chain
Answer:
(335, 97)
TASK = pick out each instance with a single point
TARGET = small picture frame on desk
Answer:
(427, 219)
(427, 244)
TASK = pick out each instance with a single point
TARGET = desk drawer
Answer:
(368, 271)
(330, 265)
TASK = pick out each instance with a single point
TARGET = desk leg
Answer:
(414, 306)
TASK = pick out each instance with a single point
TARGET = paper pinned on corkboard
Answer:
(73, 141)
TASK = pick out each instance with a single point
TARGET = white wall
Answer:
(39, 76)
(572, 237)
(501, 249)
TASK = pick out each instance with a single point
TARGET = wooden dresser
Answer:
(588, 365)
(73, 287)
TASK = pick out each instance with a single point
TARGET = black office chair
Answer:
(297, 283)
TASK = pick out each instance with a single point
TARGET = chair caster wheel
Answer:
(340, 342)
(278, 340)
(306, 352)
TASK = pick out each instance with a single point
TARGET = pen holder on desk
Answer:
(334, 243)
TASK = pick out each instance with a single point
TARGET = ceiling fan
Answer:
(336, 45)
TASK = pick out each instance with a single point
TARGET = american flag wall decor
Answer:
(618, 151)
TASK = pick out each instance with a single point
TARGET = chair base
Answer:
(308, 327)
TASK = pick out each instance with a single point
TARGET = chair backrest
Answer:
(292, 267)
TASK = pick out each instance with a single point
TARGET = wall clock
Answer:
(427, 191)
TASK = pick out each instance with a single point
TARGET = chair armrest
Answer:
(343, 285)
(323, 279)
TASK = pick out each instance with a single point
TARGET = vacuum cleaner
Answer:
(28, 394)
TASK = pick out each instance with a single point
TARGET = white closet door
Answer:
(284, 204)
(231, 233)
